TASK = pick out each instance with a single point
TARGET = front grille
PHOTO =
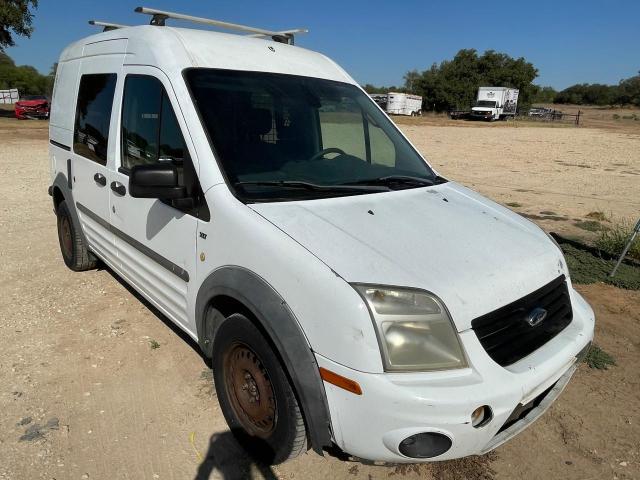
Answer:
(507, 336)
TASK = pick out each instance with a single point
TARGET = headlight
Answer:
(414, 329)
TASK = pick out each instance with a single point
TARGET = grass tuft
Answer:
(598, 358)
(613, 239)
(589, 225)
(513, 204)
(600, 216)
(153, 344)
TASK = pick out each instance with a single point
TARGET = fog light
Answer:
(481, 416)
(425, 445)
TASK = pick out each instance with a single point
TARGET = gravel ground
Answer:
(85, 396)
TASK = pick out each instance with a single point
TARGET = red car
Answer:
(32, 106)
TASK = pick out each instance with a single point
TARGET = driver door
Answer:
(155, 240)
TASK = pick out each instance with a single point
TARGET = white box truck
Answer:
(495, 103)
(404, 104)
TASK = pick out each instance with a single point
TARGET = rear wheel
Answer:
(255, 394)
(74, 251)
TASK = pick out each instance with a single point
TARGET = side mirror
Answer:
(158, 180)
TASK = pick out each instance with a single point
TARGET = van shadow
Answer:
(225, 456)
(161, 316)
(229, 461)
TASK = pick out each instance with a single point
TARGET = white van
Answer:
(346, 293)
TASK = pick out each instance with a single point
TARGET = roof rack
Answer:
(159, 17)
(107, 25)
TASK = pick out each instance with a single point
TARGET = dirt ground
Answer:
(85, 396)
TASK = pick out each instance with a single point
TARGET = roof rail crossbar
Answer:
(159, 17)
(284, 36)
(107, 26)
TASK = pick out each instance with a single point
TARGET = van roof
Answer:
(173, 49)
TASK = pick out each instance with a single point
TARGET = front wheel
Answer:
(255, 394)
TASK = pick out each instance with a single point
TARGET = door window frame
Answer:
(152, 72)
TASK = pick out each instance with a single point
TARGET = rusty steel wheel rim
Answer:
(65, 236)
(250, 390)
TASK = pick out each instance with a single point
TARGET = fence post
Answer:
(578, 118)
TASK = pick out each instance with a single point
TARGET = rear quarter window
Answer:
(93, 115)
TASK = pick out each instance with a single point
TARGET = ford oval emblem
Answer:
(536, 316)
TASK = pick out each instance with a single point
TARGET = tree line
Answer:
(453, 84)
(627, 92)
(25, 78)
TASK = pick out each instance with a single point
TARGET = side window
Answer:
(171, 145)
(342, 126)
(93, 114)
(151, 134)
(382, 149)
(141, 107)
(150, 131)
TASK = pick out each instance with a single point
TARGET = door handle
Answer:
(100, 179)
(118, 188)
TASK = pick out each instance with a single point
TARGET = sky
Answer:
(568, 41)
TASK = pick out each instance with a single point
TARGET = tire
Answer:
(74, 251)
(255, 394)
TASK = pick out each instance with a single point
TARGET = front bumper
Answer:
(481, 115)
(395, 406)
(28, 113)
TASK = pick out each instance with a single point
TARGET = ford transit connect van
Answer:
(347, 294)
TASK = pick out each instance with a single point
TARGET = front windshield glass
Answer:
(274, 134)
(486, 103)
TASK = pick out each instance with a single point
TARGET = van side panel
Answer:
(63, 104)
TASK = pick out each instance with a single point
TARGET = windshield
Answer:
(278, 137)
(34, 97)
(486, 103)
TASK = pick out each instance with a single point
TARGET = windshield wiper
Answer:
(393, 180)
(313, 186)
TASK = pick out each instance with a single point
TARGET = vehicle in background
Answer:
(495, 103)
(9, 96)
(32, 106)
(404, 104)
(381, 99)
(545, 113)
(458, 114)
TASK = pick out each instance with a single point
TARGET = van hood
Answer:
(474, 254)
